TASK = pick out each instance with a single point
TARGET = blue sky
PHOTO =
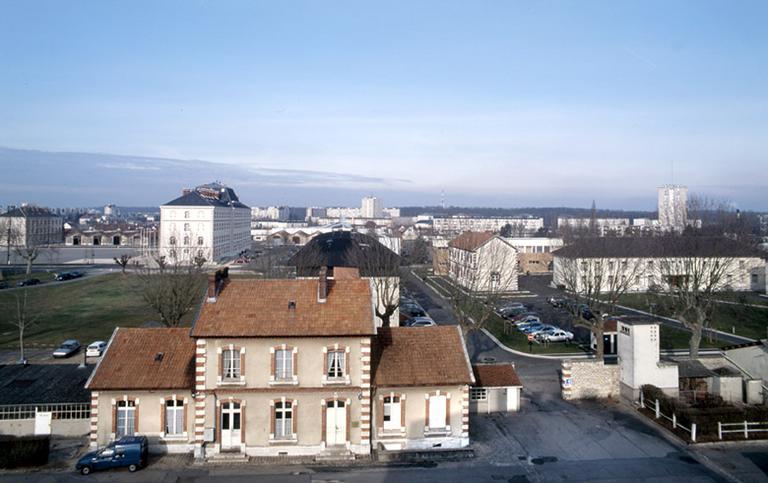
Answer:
(510, 103)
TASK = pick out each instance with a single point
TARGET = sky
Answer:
(509, 103)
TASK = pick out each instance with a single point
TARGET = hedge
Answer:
(706, 413)
(18, 451)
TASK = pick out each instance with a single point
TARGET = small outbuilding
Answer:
(497, 388)
(44, 399)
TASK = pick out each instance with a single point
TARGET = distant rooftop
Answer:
(211, 194)
(44, 383)
(28, 212)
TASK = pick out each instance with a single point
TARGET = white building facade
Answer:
(29, 226)
(521, 226)
(208, 221)
(673, 206)
(372, 207)
(483, 262)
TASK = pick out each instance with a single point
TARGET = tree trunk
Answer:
(695, 341)
(384, 320)
(21, 344)
(29, 266)
(599, 343)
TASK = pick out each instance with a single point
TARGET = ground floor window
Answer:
(174, 417)
(392, 412)
(283, 420)
(437, 413)
(126, 418)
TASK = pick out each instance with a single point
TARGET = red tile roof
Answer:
(496, 375)
(132, 360)
(420, 356)
(470, 240)
(288, 308)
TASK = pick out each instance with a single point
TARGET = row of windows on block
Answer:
(173, 423)
(283, 365)
(283, 417)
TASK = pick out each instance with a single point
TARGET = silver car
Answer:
(67, 348)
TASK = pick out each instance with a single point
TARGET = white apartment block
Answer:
(483, 262)
(603, 226)
(642, 263)
(270, 213)
(392, 212)
(521, 226)
(208, 221)
(340, 212)
(535, 244)
(673, 206)
(29, 226)
(372, 207)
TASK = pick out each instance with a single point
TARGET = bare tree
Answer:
(23, 314)
(172, 290)
(381, 266)
(480, 280)
(596, 284)
(29, 254)
(10, 235)
(123, 261)
(687, 277)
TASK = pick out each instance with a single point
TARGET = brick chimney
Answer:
(212, 288)
(322, 285)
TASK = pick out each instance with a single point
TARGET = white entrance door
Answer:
(335, 423)
(230, 425)
(43, 422)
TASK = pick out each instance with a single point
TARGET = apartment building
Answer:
(483, 262)
(208, 221)
(521, 226)
(284, 367)
(534, 254)
(28, 226)
(648, 261)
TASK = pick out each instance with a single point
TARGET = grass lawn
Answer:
(674, 338)
(87, 310)
(747, 321)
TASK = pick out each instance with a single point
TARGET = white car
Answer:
(96, 349)
(556, 336)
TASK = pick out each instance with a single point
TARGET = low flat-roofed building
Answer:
(497, 388)
(44, 399)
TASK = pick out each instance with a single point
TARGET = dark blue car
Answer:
(130, 451)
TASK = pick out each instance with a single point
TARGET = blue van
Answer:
(130, 451)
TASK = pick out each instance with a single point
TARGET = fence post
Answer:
(693, 432)
(719, 430)
(657, 409)
(674, 421)
(642, 401)
(746, 430)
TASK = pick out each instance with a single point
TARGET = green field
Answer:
(742, 320)
(86, 310)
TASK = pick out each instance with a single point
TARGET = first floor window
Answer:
(231, 364)
(335, 364)
(283, 364)
(126, 414)
(283, 420)
(174, 417)
(392, 412)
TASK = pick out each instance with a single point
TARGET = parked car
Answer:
(532, 328)
(558, 335)
(509, 313)
(511, 305)
(28, 282)
(95, 349)
(420, 322)
(543, 328)
(67, 348)
(412, 310)
(3, 285)
(130, 451)
(557, 301)
(528, 320)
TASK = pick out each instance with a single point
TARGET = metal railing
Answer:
(744, 428)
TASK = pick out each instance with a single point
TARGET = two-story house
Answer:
(285, 367)
(483, 262)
